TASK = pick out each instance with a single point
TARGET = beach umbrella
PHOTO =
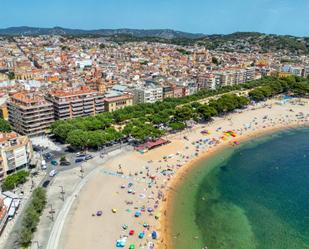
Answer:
(141, 235)
(137, 214)
(149, 209)
(154, 235)
(132, 246)
(114, 210)
(120, 243)
(131, 232)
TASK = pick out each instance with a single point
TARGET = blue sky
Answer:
(199, 16)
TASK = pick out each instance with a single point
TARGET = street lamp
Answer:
(81, 170)
(62, 192)
(51, 212)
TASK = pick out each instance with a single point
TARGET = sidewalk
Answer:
(70, 181)
(9, 234)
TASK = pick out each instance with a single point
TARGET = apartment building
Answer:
(29, 113)
(72, 103)
(15, 153)
(114, 103)
(167, 92)
(234, 77)
(148, 93)
(206, 81)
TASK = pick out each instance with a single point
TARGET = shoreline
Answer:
(186, 150)
(165, 224)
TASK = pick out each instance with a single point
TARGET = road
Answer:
(12, 240)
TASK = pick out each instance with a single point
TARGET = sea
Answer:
(251, 196)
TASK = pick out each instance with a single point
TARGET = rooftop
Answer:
(7, 136)
(27, 98)
(117, 98)
(72, 92)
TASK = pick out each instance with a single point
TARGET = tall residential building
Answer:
(29, 113)
(234, 77)
(15, 153)
(149, 93)
(71, 103)
(167, 92)
(207, 80)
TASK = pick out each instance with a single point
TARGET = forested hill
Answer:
(159, 33)
(239, 41)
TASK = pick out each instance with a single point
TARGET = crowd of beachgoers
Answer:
(126, 204)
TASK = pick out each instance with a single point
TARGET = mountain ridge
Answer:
(160, 33)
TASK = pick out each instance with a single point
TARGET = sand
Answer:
(103, 191)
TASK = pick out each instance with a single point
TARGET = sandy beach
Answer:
(135, 184)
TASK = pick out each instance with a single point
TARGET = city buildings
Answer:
(46, 78)
(114, 103)
(148, 93)
(15, 153)
(72, 103)
(29, 113)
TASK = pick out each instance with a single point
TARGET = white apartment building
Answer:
(15, 153)
(149, 93)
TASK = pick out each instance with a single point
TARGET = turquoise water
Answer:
(254, 196)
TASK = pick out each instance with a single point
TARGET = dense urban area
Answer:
(90, 93)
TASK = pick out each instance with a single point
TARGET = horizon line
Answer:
(145, 29)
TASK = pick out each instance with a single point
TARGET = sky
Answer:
(196, 16)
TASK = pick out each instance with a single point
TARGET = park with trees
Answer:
(148, 121)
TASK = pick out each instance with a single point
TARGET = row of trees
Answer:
(144, 121)
(32, 216)
(294, 86)
(80, 138)
(12, 181)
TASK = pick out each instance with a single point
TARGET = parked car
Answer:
(48, 156)
(43, 165)
(79, 160)
(79, 154)
(45, 184)
(54, 163)
(88, 157)
(65, 163)
(53, 173)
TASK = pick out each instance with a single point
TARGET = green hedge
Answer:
(11, 181)
(32, 216)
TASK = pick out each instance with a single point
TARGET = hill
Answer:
(159, 33)
(239, 41)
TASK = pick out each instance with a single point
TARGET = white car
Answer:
(53, 173)
(43, 164)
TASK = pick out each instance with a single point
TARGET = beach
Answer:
(142, 184)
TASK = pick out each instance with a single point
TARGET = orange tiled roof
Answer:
(72, 92)
(7, 136)
(27, 98)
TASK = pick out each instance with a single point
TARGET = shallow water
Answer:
(254, 196)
